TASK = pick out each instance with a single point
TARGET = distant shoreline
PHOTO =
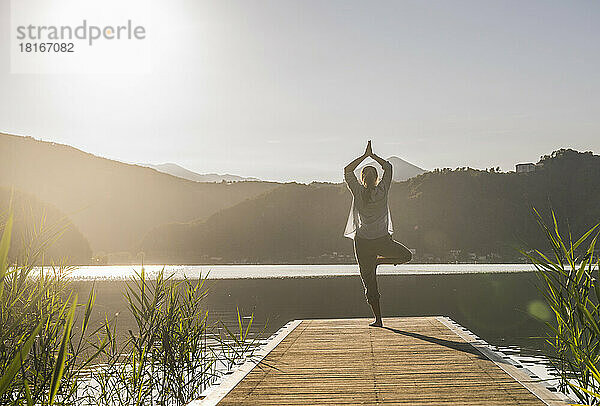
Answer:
(290, 263)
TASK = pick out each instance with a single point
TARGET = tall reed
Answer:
(168, 358)
(571, 288)
(39, 359)
(166, 361)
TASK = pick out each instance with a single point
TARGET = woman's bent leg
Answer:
(394, 249)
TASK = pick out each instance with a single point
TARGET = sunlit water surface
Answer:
(286, 271)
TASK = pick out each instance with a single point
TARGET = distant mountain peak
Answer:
(402, 170)
(181, 172)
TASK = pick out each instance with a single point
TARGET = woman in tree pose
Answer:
(370, 225)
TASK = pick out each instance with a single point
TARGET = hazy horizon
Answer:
(291, 91)
(369, 161)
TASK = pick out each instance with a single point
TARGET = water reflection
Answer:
(502, 308)
(499, 307)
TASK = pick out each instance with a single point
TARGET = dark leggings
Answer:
(367, 250)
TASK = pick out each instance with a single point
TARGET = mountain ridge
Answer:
(401, 169)
(112, 203)
(447, 215)
(181, 172)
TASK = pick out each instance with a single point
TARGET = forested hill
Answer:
(112, 203)
(445, 215)
(40, 225)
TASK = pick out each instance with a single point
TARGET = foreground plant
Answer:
(571, 288)
(167, 360)
(39, 359)
(48, 355)
(237, 347)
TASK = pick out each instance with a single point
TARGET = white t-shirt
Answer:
(369, 215)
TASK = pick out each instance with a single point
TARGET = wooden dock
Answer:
(411, 361)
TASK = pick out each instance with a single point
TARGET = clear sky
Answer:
(292, 90)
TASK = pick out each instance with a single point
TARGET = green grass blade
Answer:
(28, 396)
(4, 246)
(59, 365)
(18, 359)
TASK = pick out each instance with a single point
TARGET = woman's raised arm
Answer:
(380, 160)
(352, 165)
(386, 179)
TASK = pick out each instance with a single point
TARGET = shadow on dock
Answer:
(454, 345)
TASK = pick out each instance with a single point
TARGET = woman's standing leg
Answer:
(366, 256)
(395, 250)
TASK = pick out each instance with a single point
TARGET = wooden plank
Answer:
(412, 360)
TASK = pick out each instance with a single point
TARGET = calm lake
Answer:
(496, 302)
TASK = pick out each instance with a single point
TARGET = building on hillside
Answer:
(525, 168)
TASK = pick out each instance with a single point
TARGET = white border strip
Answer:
(228, 383)
(518, 372)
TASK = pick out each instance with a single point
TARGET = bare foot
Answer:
(376, 323)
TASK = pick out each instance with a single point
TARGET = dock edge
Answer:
(518, 372)
(230, 381)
